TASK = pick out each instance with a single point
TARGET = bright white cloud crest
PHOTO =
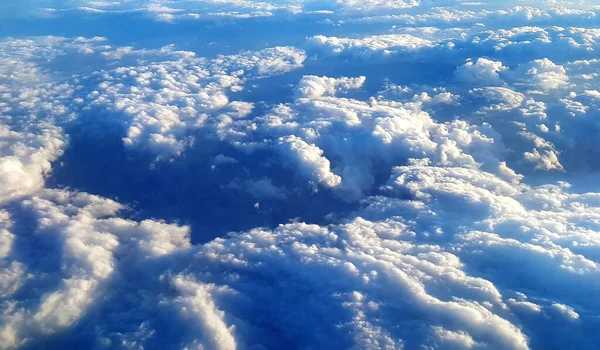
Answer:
(400, 174)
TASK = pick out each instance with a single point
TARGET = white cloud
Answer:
(309, 159)
(87, 249)
(315, 87)
(565, 310)
(480, 72)
(27, 144)
(373, 47)
(351, 267)
(543, 74)
(339, 142)
(162, 103)
(503, 98)
(221, 159)
(465, 246)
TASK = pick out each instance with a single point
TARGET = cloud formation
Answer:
(451, 145)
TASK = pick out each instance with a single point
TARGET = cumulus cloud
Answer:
(84, 247)
(373, 47)
(26, 158)
(502, 98)
(29, 139)
(344, 143)
(160, 104)
(157, 104)
(480, 72)
(477, 13)
(418, 248)
(457, 214)
(200, 301)
(309, 159)
(315, 87)
(543, 74)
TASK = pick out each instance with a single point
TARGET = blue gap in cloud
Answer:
(187, 190)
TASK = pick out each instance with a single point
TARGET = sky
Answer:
(299, 174)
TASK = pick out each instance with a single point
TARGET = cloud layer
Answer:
(427, 169)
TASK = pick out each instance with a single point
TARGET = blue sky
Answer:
(299, 174)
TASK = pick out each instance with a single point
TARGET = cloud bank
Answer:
(447, 148)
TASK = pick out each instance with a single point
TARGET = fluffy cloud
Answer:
(448, 166)
(29, 140)
(502, 98)
(480, 72)
(100, 254)
(161, 104)
(210, 9)
(380, 46)
(26, 157)
(543, 74)
(344, 143)
(80, 252)
(147, 274)
(315, 87)
(158, 104)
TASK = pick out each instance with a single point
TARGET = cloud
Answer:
(480, 72)
(504, 98)
(162, 103)
(100, 254)
(438, 175)
(461, 14)
(81, 253)
(29, 140)
(346, 270)
(344, 144)
(315, 87)
(26, 159)
(209, 9)
(221, 159)
(310, 160)
(543, 74)
(373, 47)
(566, 311)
